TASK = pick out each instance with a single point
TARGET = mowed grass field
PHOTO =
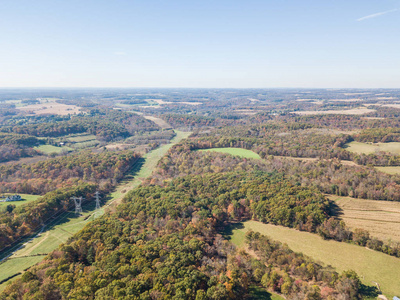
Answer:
(48, 149)
(358, 147)
(79, 138)
(146, 168)
(68, 224)
(371, 266)
(235, 151)
(25, 199)
(380, 218)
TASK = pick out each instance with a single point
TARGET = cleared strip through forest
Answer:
(45, 243)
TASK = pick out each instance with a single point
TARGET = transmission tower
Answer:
(78, 204)
(97, 199)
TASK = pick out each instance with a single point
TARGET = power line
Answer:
(97, 199)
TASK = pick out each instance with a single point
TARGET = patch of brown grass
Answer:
(380, 218)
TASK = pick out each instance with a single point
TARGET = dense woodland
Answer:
(104, 169)
(329, 176)
(106, 125)
(15, 146)
(163, 243)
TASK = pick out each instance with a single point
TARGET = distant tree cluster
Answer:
(15, 146)
(104, 169)
(107, 125)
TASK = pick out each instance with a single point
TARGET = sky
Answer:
(215, 44)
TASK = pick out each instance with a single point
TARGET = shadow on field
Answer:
(369, 292)
(227, 230)
(257, 292)
(334, 209)
(134, 170)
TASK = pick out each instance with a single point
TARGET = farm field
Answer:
(380, 218)
(25, 199)
(68, 224)
(358, 147)
(235, 151)
(372, 266)
(48, 149)
(158, 121)
(389, 170)
(50, 108)
(355, 111)
(81, 138)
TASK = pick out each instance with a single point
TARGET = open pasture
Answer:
(79, 138)
(354, 111)
(25, 199)
(389, 170)
(52, 108)
(49, 149)
(372, 266)
(158, 121)
(380, 218)
(235, 151)
(366, 148)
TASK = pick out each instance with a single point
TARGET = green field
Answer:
(235, 151)
(147, 167)
(25, 199)
(81, 138)
(49, 149)
(371, 266)
(259, 293)
(364, 148)
(68, 224)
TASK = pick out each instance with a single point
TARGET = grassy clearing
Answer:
(145, 167)
(354, 111)
(25, 199)
(82, 138)
(389, 170)
(358, 147)
(259, 293)
(68, 224)
(370, 265)
(380, 218)
(49, 149)
(235, 151)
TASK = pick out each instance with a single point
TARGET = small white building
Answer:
(13, 198)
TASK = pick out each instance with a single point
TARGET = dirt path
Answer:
(30, 249)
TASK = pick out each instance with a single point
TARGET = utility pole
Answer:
(78, 204)
(97, 199)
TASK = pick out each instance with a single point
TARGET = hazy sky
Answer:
(190, 43)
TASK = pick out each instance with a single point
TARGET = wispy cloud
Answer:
(119, 53)
(377, 14)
